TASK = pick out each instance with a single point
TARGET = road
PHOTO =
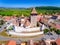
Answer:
(18, 40)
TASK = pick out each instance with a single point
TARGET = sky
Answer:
(28, 3)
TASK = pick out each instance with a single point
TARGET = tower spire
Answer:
(34, 11)
(22, 15)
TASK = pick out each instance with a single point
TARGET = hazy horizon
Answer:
(28, 3)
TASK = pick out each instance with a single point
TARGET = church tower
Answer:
(34, 18)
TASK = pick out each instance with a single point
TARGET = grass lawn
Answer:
(3, 41)
(3, 33)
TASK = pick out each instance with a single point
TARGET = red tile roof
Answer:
(7, 17)
(11, 42)
(58, 41)
(57, 26)
(13, 16)
(39, 17)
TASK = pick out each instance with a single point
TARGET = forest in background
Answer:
(26, 11)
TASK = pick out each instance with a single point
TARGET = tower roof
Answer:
(22, 15)
(34, 11)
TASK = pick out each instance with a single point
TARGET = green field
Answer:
(27, 11)
(3, 33)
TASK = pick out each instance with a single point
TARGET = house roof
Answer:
(57, 26)
(7, 17)
(58, 41)
(39, 17)
(13, 16)
(11, 42)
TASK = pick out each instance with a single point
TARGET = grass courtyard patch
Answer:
(2, 41)
(3, 33)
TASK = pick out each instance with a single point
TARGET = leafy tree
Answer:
(1, 21)
(58, 32)
(10, 28)
(45, 30)
(52, 29)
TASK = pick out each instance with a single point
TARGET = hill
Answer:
(27, 11)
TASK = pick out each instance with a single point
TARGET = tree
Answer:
(58, 32)
(1, 21)
(52, 29)
(10, 27)
(45, 30)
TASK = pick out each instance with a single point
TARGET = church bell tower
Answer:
(34, 17)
